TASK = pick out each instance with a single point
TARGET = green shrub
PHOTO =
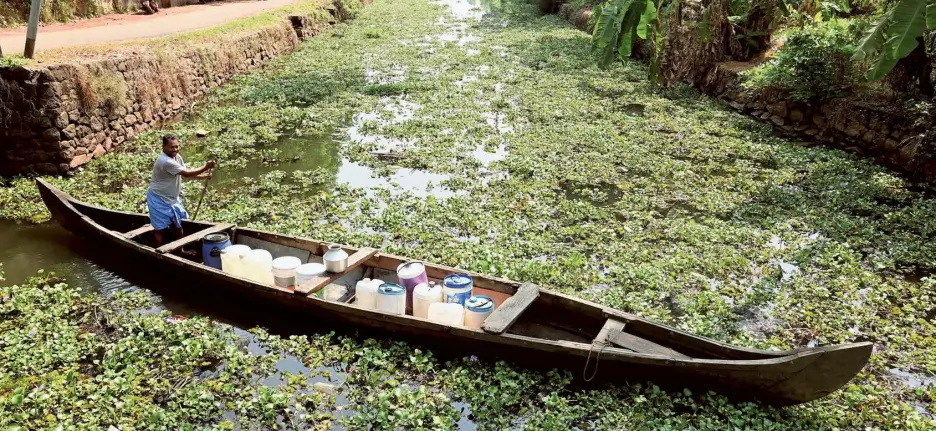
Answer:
(13, 61)
(813, 64)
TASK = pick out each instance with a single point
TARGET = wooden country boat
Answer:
(532, 326)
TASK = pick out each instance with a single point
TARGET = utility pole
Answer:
(33, 28)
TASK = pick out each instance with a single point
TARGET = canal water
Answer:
(26, 249)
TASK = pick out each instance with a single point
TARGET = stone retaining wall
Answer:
(871, 128)
(55, 118)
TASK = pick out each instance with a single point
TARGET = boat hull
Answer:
(778, 378)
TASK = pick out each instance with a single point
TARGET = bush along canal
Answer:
(483, 137)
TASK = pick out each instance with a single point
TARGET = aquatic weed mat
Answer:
(485, 138)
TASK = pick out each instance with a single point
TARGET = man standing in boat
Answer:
(164, 197)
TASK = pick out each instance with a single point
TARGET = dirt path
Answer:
(117, 28)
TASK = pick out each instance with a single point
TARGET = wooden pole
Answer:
(204, 189)
(32, 29)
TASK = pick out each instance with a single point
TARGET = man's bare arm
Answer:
(194, 173)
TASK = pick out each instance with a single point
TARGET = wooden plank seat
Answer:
(319, 282)
(612, 333)
(641, 345)
(507, 314)
(195, 237)
(147, 228)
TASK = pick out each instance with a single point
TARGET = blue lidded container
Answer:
(391, 298)
(480, 304)
(478, 308)
(212, 244)
(457, 288)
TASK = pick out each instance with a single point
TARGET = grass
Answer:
(657, 202)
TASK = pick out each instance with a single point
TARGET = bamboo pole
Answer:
(32, 29)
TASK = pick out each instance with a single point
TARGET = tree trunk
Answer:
(913, 72)
(926, 85)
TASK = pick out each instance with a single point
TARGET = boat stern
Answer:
(833, 367)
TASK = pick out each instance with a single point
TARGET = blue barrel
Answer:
(212, 244)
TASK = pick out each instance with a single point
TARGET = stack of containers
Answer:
(456, 289)
(450, 304)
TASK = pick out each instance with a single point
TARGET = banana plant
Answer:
(620, 23)
(896, 35)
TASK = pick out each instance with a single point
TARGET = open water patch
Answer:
(486, 158)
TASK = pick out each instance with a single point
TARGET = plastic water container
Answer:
(391, 299)
(258, 266)
(478, 308)
(424, 295)
(212, 245)
(366, 292)
(447, 313)
(456, 288)
(411, 274)
(232, 259)
(306, 273)
(284, 270)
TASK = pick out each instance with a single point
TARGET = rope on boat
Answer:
(604, 344)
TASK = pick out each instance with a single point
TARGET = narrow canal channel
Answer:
(481, 135)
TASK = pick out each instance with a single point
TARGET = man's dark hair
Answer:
(169, 137)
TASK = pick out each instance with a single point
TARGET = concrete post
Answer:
(32, 29)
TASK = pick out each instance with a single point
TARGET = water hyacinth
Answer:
(657, 202)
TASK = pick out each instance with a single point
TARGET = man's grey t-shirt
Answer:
(166, 182)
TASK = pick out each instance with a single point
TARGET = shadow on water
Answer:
(49, 247)
(319, 159)
(300, 153)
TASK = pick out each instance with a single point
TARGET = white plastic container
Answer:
(232, 259)
(424, 295)
(391, 299)
(258, 266)
(284, 270)
(366, 293)
(306, 273)
(447, 313)
(478, 308)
